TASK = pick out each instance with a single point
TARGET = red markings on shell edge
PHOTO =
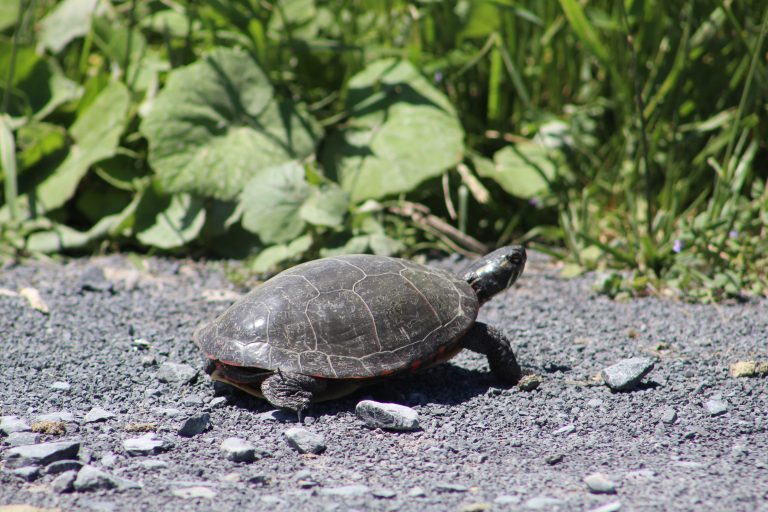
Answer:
(416, 365)
(441, 349)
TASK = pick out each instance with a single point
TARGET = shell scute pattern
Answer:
(344, 317)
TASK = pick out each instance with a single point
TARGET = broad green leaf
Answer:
(272, 201)
(30, 88)
(298, 15)
(37, 141)
(116, 40)
(216, 124)
(523, 170)
(67, 21)
(402, 131)
(9, 12)
(96, 133)
(274, 255)
(170, 22)
(326, 206)
(168, 222)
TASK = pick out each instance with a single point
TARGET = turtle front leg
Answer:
(293, 391)
(487, 340)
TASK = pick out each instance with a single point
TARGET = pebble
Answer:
(90, 478)
(195, 425)
(108, 459)
(93, 280)
(22, 438)
(197, 491)
(258, 479)
(41, 454)
(668, 416)
(13, 424)
(387, 416)
(217, 402)
(65, 416)
(564, 430)
(176, 373)
(97, 414)
(529, 382)
(193, 400)
(170, 412)
(507, 499)
(417, 492)
(60, 386)
(613, 506)
(555, 458)
(61, 466)
(598, 483)
(594, 402)
(716, 406)
(448, 487)
(304, 441)
(147, 444)
(385, 494)
(543, 503)
(238, 450)
(153, 464)
(65, 482)
(627, 373)
(28, 473)
(346, 490)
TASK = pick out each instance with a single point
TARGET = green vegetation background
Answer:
(623, 135)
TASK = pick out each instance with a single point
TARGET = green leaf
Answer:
(217, 124)
(37, 141)
(402, 131)
(168, 222)
(96, 133)
(584, 29)
(274, 255)
(272, 201)
(523, 170)
(9, 12)
(69, 20)
(326, 206)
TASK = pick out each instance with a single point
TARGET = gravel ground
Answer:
(689, 437)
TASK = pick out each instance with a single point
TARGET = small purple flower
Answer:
(535, 202)
(438, 76)
(733, 233)
(678, 245)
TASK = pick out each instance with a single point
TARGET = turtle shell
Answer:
(344, 317)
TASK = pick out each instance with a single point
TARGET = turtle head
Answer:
(496, 271)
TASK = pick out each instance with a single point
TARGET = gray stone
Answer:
(598, 483)
(193, 400)
(12, 424)
(90, 478)
(387, 416)
(238, 450)
(564, 430)
(93, 280)
(346, 490)
(543, 503)
(197, 491)
(417, 492)
(613, 506)
(555, 458)
(65, 482)
(176, 373)
(147, 444)
(97, 414)
(668, 416)
(97, 505)
(60, 466)
(216, 402)
(108, 459)
(595, 402)
(153, 464)
(304, 441)
(716, 406)
(65, 416)
(41, 454)
(627, 373)
(507, 499)
(384, 494)
(448, 487)
(195, 425)
(170, 412)
(60, 386)
(27, 473)
(22, 438)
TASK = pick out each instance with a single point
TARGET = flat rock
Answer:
(346, 490)
(60, 386)
(153, 464)
(716, 406)
(197, 491)
(507, 499)
(97, 414)
(147, 444)
(613, 506)
(22, 438)
(238, 450)
(195, 425)
(627, 373)
(27, 473)
(598, 483)
(564, 430)
(383, 493)
(90, 478)
(304, 441)
(63, 416)
(65, 482)
(61, 466)
(12, 424)
(176, 373)
(387, 416)
(93, 279)
(417, 492)
(41, 454)
(449, 487)
(668, 415)
(543, 503)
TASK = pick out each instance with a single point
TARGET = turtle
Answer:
(321, 329)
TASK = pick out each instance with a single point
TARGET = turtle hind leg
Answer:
(293, 391)
(487, 340)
